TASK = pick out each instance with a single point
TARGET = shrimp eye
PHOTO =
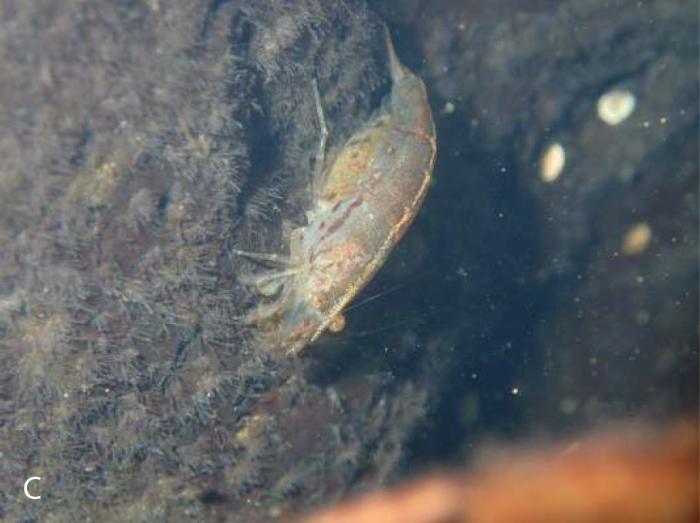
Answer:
(337, 324)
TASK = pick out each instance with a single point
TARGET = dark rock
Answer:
(140, 142)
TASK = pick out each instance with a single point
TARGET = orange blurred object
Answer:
(631, 475)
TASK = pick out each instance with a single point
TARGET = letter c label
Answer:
(26, 487)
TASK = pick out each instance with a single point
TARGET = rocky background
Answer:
(549, 283)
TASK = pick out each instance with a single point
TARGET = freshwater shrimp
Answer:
(363, 203)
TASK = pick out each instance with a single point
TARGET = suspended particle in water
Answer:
(636, 239)
(615, 106)
(552, 163)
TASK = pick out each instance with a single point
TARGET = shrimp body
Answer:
(366, 200)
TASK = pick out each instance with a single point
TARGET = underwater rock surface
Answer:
(140, 143)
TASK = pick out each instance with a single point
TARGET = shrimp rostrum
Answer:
(363, 203)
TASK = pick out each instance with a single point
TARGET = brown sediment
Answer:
(628, 476)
